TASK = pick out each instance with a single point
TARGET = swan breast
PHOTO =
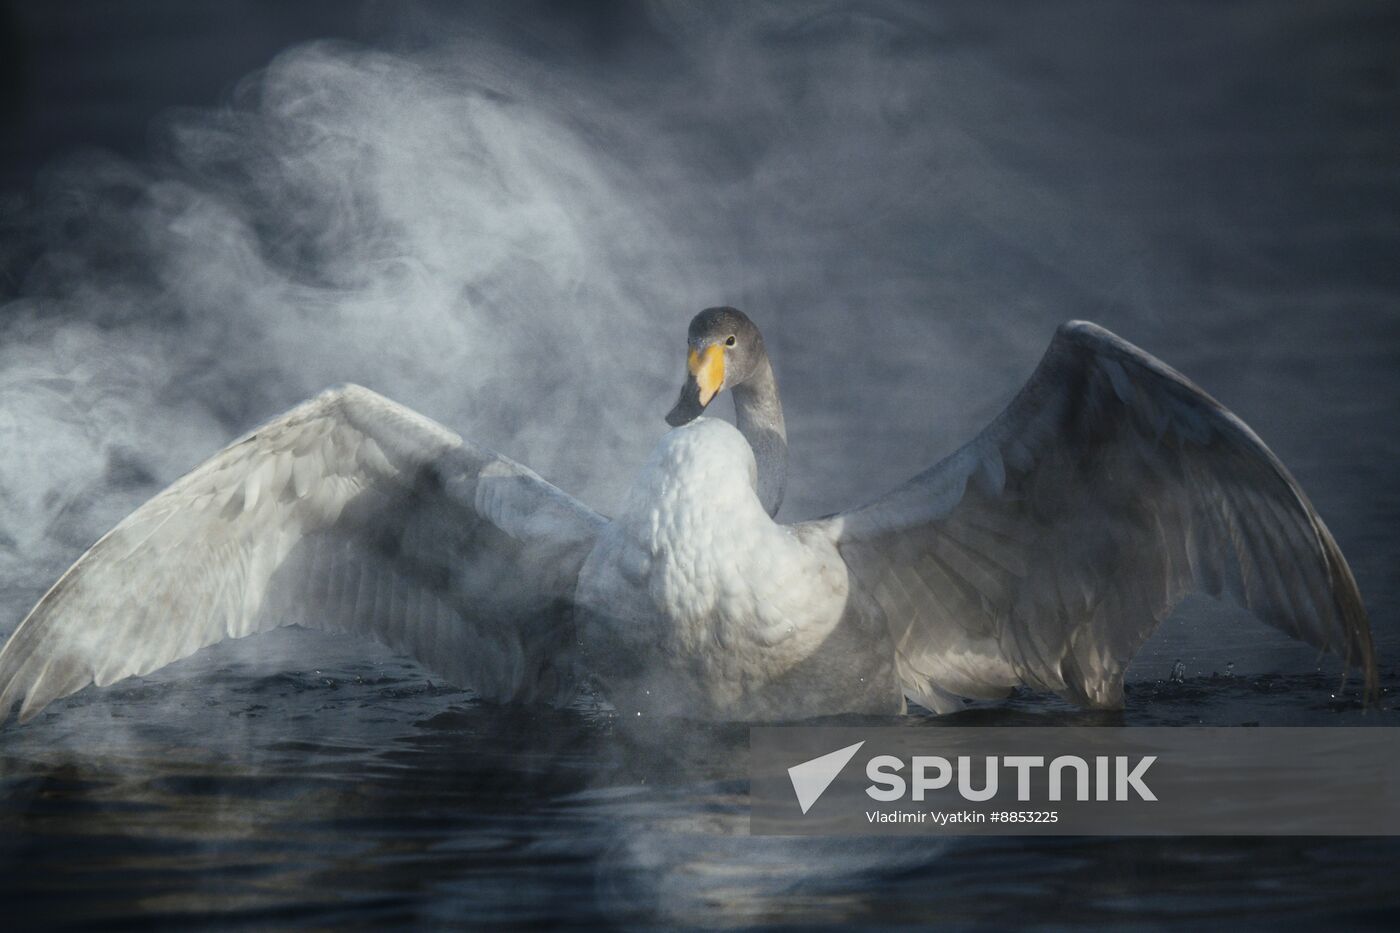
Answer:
(694, 593)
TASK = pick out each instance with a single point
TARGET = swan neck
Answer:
(759, 415)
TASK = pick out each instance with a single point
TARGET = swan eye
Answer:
(730, 341)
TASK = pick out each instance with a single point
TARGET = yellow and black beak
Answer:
(703, 384)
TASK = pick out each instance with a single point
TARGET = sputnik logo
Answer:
(811, 778)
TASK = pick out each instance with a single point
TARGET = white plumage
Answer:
(695, 602)
(1043, 552)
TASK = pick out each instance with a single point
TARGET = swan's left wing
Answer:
(1046, 550)
(349, 513)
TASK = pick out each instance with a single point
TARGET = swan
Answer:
(1041, 553)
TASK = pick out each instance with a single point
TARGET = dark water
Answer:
(365, 796)
(907, 196)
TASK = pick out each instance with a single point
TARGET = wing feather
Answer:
(1047, 549)
(349, 513)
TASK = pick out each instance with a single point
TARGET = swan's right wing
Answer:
(1048, 548)
(349, 513)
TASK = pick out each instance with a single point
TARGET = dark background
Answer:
(87, 73)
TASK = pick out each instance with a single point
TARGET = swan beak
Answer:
(703, 384)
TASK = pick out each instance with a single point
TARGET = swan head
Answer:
(726, 349)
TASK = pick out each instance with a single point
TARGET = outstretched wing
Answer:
(1047, 549)
(349, 513)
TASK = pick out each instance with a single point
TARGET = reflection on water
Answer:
(366, 796)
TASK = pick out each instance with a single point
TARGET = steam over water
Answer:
(506, 222)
